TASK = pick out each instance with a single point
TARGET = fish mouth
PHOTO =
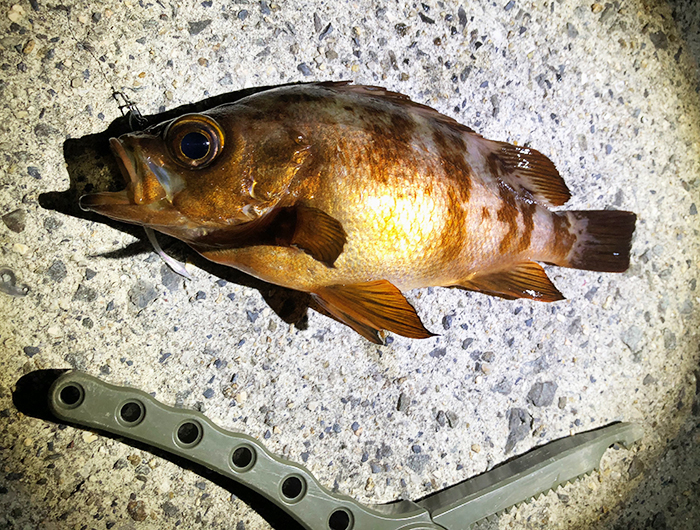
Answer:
(126, 163)
(129, 205)
(107, 201)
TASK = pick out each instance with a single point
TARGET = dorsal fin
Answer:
(527, 171)
(372, 306)
(401, 100)
(523, 280)
(366, 90)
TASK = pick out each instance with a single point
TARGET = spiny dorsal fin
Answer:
(524, 280)
(308, 229)
(525, 170)
(399, 99)
(372, 306)
(528, 170)
(368, 90)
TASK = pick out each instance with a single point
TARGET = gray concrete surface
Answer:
(609, 91)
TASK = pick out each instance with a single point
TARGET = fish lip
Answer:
(104, 201)
(125, 162)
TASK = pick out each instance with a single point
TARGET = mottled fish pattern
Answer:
(354, 194)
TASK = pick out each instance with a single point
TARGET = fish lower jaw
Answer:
(104, 201)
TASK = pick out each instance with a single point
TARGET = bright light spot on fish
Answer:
(522, 153)
(408, 220)
(383, 203)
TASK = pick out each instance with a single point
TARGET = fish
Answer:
(356, 194)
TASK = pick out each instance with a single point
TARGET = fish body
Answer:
(353, 194)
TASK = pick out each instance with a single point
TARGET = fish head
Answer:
(201, 172)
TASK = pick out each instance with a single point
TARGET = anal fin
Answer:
(524, 280)
(372, 306)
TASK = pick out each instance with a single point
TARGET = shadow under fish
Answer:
(353, 194)
(91, 166)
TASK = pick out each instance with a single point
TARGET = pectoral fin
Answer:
(524, 280)
(370, 307)
(318, 234)
(308, 229)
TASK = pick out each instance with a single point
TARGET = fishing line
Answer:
(136, 123)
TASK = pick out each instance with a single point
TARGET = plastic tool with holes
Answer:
(85, 400)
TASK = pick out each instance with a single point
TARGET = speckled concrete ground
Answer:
(608, 91)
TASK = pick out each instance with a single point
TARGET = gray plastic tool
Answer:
(85, 400)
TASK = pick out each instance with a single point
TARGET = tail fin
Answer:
(604, 239)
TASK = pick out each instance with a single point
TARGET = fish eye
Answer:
(194, 145)
(194, 140)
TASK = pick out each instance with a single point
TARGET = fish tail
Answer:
(601, 239)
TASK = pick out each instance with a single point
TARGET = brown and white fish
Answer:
(354, 194)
